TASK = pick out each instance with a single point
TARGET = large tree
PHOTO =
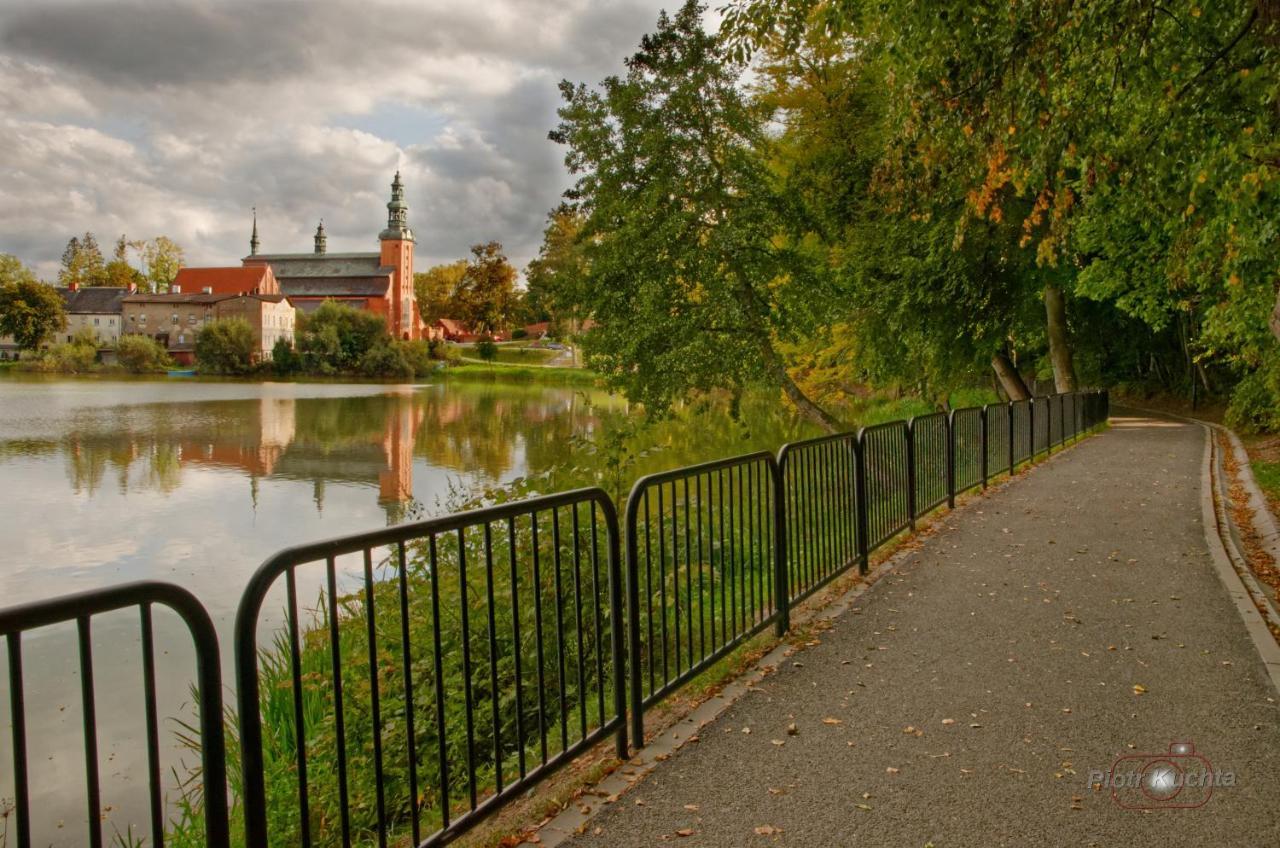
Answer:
(30, 311)
(556, 277)
(82, 263)
(436, 287)
(486, 299)
(163, 258)
(692, 283)
(118, 272)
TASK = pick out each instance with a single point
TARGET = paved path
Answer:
(1028, 620)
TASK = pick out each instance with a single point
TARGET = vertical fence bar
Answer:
(951, 459)
(984, 439)
(860, 489)
(911, 472)
(90, 718)
(18, 718)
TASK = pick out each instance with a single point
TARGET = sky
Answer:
(176, 118)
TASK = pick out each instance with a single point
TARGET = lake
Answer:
(108, 481)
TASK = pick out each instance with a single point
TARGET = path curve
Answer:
(1067, 619)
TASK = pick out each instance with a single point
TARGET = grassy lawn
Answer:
(511, 372)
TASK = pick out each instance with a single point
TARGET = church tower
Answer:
(397, 253)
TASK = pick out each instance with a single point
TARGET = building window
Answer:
(95, 322)
(191, 319)
(144, 317)
(175, 318)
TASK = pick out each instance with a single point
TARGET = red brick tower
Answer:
(397, 253)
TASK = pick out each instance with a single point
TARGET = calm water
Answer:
(103, 482)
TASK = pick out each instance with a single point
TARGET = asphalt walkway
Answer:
(1071, 618)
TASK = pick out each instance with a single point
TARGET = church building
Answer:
(380, 282)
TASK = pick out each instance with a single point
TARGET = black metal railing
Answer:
(81, 608)
(449, 665)
(820, 511)
(489, 654)
(703, 554)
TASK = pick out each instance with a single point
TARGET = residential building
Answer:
(95, 308)
(174, 319)
(380, 282)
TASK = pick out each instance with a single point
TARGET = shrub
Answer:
(336, 337)
(418, 355)
(486, 349)
(73, 357)
(225, 346)
(284, 359)
(142, 354)
(1255, 401)
(519, 333)
(386, 360)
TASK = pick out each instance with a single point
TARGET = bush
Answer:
(418, 355)
(1255, 401)
(336, 337)
(225, 346)
(520, 333)
(73, 357)
(284, 360)
(386, 360)
(486, 349)
(142, 354)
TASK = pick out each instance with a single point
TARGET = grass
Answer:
(506, 372)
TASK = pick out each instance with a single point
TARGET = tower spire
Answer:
(322, 240)
(397, 215)
(253, 240)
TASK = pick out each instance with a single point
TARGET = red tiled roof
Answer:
(221, 280)
(451, 325)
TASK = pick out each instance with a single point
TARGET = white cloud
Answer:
(122, 116)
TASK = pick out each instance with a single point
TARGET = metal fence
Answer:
(487, 655)
(449, 665)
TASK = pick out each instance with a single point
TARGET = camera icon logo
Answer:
(1178, 780)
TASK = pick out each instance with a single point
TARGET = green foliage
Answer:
(82, 263)
(142, 354)
(284, 359)
(1255, 403)
(336, 337)
(689, 277)
(225, 346)
(386, 359)
(486, 298)
(486, 349)
(419, 355)
(556, 279)
(436, 288)
(78, 356)
(30, 311)
(163, 258)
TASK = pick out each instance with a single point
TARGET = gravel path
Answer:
(1066, 620)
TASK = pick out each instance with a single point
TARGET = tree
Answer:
(141, 354)
(691, 284)
(82, 263)
(556, 278)
(337, 336)
(30, 311)
(225, 346)
(163, 258)
(118, 272)
(486, 300)
(435, 289)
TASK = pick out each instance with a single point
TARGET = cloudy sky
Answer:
(175, 118)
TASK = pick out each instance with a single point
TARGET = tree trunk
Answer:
(807, 408)
(1009, 377)
(1055, 307)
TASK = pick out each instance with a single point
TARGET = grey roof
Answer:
(325, 264)
(362, 286)
(179, 297)
(94, 300)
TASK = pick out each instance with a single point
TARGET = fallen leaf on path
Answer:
(685, 831)
(767, 830)
(948, 721)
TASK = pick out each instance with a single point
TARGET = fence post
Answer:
(781, 573)
(911, 472)
(860, 492)
(1031, 427)
(982, 418)
(633, 620)
(951, 459)
(1012, 435)
(620, 663)
(1062, 418)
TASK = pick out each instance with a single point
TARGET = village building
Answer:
(93, 308)
(380, 282)
(174, 319)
